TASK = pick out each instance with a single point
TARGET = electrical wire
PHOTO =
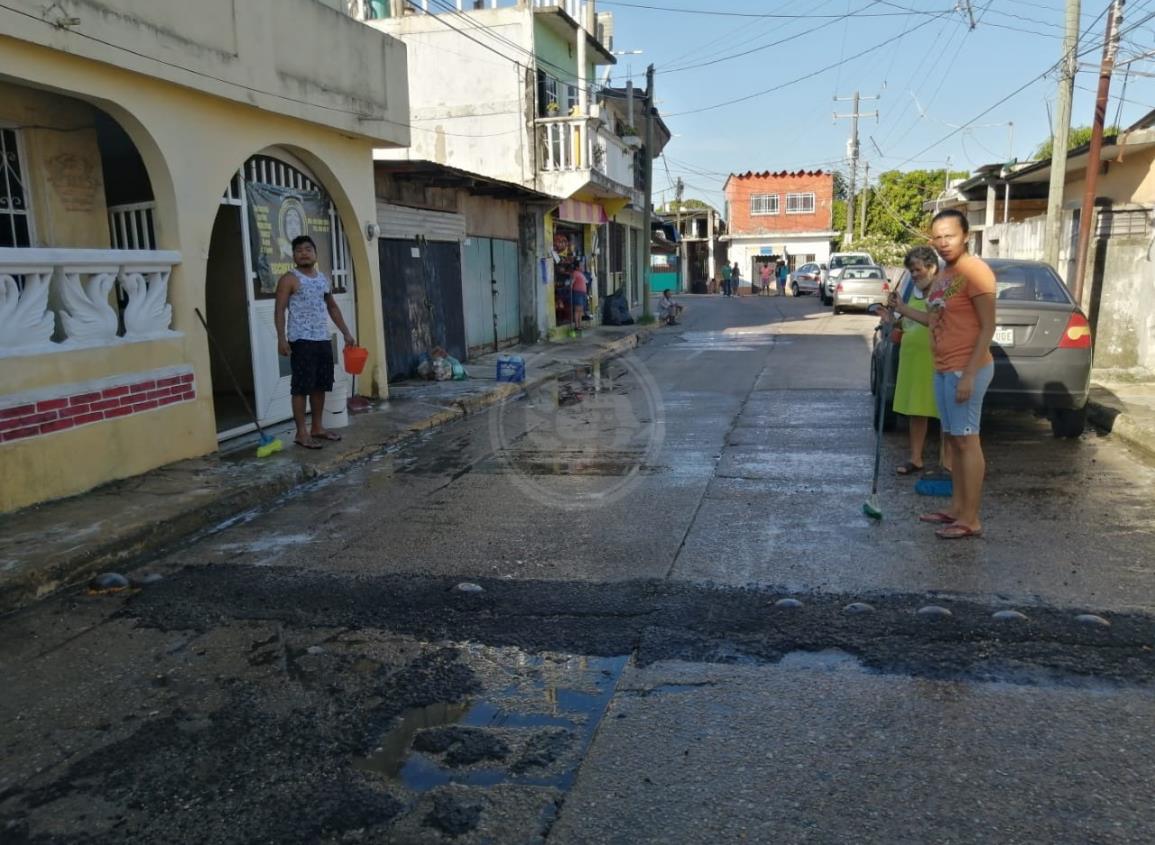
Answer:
(796, 80)
(774, 15)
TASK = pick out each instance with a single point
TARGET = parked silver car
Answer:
(860, 287)
(1042, 349)
(806, 279)
(839, 261)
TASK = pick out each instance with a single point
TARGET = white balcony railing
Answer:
(131, 226)
(58, 299)
(565, 143)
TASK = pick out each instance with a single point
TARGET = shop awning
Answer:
(576, 211)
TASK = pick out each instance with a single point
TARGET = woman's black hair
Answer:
(948, 213)
(924, 255)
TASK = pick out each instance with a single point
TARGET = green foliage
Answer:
(1078, 136)
(695, 203)
(894, 209)
(881, 248)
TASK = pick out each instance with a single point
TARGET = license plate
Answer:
(860, 300)
(1004, 336)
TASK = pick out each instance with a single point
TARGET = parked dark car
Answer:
(1042, 349)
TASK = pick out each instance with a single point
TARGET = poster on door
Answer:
(276, 216)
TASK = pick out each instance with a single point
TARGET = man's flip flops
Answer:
(957, 532)
(307, 445)
(327, 435)
(937, 518)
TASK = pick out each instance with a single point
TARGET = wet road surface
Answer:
(556, 622)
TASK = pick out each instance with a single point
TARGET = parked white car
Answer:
(839, 262)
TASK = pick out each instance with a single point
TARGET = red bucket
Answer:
(355, 358)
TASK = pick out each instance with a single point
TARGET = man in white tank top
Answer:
(306, 295)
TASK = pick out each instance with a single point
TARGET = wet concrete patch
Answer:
(662, 620)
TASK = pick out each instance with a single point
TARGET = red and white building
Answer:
(783, 215)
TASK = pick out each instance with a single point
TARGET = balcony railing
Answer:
(58, 299)
(131, 226)
(565, 143)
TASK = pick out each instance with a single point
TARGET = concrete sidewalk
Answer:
(1122, 403)
(119, 525)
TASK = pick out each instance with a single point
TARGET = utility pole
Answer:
(1062, 131)
(852, 154)
(1110, 50)
(965, 6)
(679, 187)
(647, 236)
(865, 198)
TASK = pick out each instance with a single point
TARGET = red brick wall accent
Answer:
(740, 187)
(61, 413)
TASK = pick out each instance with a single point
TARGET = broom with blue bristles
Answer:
(870, 507)
(268, 444)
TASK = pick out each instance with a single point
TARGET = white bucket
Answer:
(336, 413)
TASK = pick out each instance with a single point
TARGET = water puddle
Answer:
(534, 731)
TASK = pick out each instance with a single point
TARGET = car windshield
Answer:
(848, 261)
(1028, 283)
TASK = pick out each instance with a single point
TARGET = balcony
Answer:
(575, 154)
(54, 300)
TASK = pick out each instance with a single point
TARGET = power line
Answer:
(796, 80)
(774, 15)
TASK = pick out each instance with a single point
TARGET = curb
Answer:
(135, 544)
(1122, 425)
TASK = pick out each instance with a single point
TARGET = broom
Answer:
(870, 506)
(268, 444)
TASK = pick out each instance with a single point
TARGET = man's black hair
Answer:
(948, 213)
(303, 239)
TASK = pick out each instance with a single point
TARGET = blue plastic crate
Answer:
(511, 368)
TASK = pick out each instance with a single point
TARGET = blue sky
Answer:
(933, 71)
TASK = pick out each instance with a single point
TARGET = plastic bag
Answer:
(457, 368)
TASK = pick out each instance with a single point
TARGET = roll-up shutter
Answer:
(405, 223)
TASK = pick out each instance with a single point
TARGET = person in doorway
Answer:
(579, 290)
(914, 387)
(669, 309)
(764, 277)
(781, 273)
(725, 280)
(305, 294)
(736, 280)
(962, 325)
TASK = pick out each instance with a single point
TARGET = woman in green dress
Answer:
(914, 390)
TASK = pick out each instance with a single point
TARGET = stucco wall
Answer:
(297, 58)
(469, 106)
(1125, 317)
(64, 179)
(1129, 180)
(191, 144)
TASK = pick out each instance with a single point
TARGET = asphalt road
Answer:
(557, 622)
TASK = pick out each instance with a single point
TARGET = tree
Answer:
(894, 208)
(1078, 136)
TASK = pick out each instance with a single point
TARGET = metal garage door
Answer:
(491, 292)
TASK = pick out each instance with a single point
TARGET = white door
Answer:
(271, 373)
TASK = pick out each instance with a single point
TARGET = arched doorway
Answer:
(270, 200)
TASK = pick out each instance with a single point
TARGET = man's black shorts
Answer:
(312, 365)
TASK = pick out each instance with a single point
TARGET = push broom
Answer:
(268, 444)
(870, 506)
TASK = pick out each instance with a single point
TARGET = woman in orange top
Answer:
(962, 324)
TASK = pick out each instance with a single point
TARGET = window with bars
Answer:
(15, 219)
(761, 204)
(800, 203)
(1124, 223)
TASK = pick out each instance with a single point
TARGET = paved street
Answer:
(555, 622)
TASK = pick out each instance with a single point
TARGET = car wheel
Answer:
(794, 289)
(837, 310)
(1068, 422)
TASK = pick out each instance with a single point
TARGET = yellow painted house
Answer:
(155, 158)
